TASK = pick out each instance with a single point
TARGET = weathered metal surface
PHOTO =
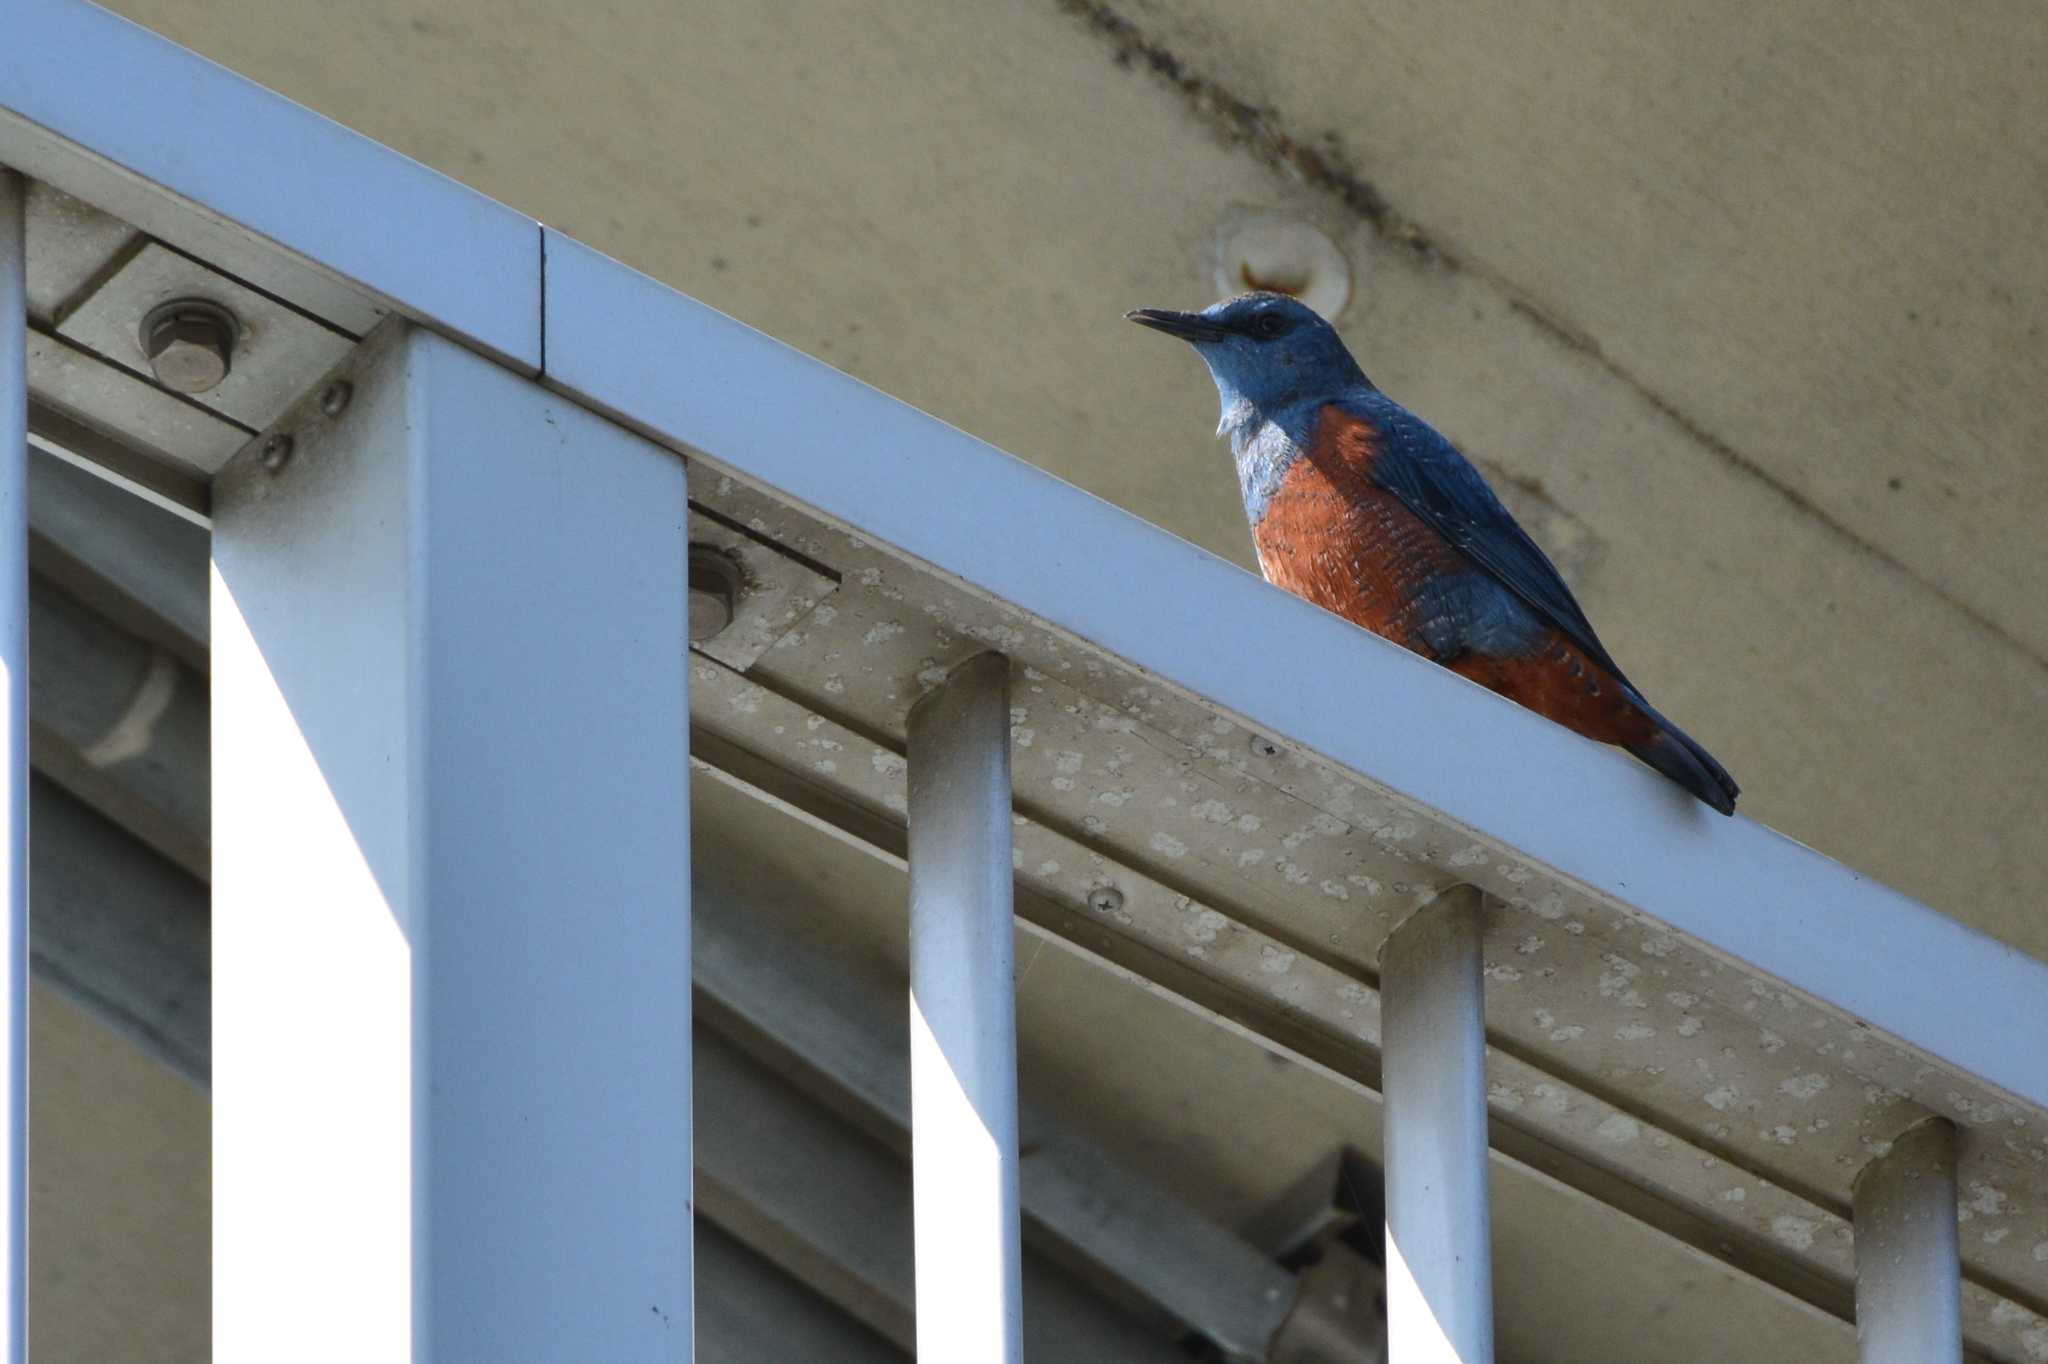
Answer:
(1623, 1059)
(279, 352)
(191, 439)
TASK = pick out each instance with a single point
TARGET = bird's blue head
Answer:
(1266, 352)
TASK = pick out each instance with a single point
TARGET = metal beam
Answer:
(1909, 1302)
(831, 1207)
(13, 766)
(451, 877)
(120, 930)
(122, 724)
(1078, 1203)
(963, 1022)
(1433, 1072)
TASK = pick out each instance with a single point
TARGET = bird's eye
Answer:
(1268, 325)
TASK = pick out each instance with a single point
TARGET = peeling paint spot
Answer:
(887, 764)
(825, 765)
(1295, 875)
(1509, 1098)
(1734, 1195)
(1682, 999)
(1067, 762)
(1505, 974)
(1335, 890)
(1633, 1032)
(1204, 924)
(1769, 1040)
(1113, 799)
(882, 631)
(1690, 1026)
(1722, 1097)
(1617, 1127)
(1530, 945)
(1781, 1135)
(1470, 856)
(1275, 961)
(1212, 810)
(1552, 1099)
(1570, 1032)
(1987, 1199)
(1169, 845)
(1796, 1232)
(1024, 738)
(1062, 783)
(1659, 945)
(1803, 1087)
(1251, 857)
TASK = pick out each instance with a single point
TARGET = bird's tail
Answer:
(1672, 752)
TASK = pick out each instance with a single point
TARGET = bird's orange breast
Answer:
(1331, 535)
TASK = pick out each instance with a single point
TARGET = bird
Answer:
(1361, 507)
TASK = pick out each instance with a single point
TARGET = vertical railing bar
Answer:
(14, 744)
(1433, 1074)
(963, 1030)
(1909, 1291)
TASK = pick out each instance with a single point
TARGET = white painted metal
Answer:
(141, 124)
(1433, 1074)
(451, 879)
(14, 757)
(617, 339)
(963, 1025)
(1909, 1302)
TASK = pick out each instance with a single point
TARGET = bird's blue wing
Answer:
(1440, 486)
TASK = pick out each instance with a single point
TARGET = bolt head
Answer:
(277, 452)
(334, 398)
(714, 592)
(190, 344)
(1105, 899)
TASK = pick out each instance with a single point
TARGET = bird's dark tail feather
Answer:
(1674, 754)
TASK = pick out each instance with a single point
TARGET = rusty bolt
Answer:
(714, 591)
(190, 344)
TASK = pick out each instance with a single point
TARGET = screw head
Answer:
(1105, 899)
(714, 592)
(277, 452)
(1265, 747)
(190, 344)
(335, 397)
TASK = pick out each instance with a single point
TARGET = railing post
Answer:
(451, 934)
(1433, 1076)
(14, 747)
(963, 1028)
(1909, 1304)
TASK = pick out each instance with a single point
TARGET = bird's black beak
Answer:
(1187, 326)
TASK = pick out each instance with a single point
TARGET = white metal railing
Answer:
(375, 742)
(14, 753)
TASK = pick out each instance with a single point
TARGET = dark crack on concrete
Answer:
(1259, 128)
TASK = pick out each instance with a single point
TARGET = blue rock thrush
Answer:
(1360, 507)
